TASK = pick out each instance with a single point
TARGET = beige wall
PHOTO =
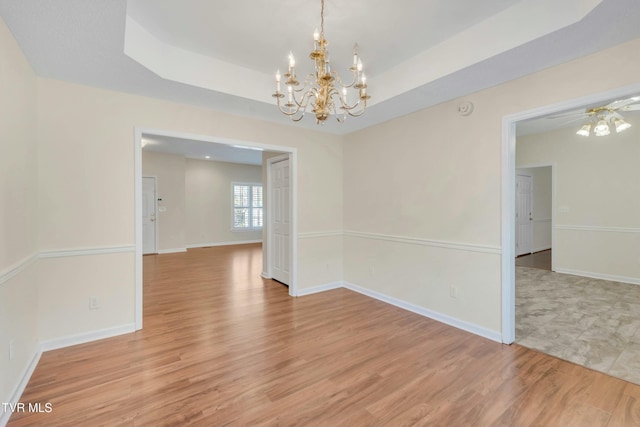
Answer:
(597, 211)
(420, 197)
(18, 216)
(422, 193)
(541, 209)
(169, 170)
(92, 204)
(208, 199)
(196, 196)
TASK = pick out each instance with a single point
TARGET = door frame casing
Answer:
(269, 234)
(138, 131)
(508, 167)
(155, 202)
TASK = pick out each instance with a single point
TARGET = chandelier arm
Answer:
(341, 83)
(361, 112)
(308, 81)
(288, 113)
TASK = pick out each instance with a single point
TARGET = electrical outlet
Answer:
(12, 349)
(93, 303)
(453, 292)
(372, 271)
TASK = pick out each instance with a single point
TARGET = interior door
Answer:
(524, 219)
(149, 215)
(280, 221)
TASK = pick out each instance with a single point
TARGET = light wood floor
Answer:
(221, 346)
(541, 260)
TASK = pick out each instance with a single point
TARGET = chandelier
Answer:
(323, 91)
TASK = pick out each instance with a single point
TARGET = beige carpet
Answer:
(594, 323)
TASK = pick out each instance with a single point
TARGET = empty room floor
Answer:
(222, 346)
(592, 322)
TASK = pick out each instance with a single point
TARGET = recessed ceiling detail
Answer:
(191, 42)
(222, 54)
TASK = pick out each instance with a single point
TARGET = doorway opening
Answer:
(265, 151)
(508, 223)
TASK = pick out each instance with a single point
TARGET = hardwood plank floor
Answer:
(222, 346)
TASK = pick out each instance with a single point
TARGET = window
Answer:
(247, 207)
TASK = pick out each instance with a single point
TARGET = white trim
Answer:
(137, 232)
(426, 242)
(592, 275)
(265, 275)
(137, 177)
(598, 228)
(86, 337)
(318, 234)
(540, 249)
(172, 250)
(237, 242)
(19, 388)
(61, 253)
(17, 268)
(508, 192)
(157, 217)
(320, 288)
(540, 220)
(443, 318)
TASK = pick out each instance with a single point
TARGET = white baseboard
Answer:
(264, 275)
(592, 275)
(320, 288)
(544, 248)
(443, 318)
(70, 340)
(19, 389)
(238, 242)
(172, 251)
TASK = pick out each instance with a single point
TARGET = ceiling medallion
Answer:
(323, 91)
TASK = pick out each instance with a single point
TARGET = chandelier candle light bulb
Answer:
(321, 90)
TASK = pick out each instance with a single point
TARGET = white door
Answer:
(148, 215)
(524, 219)
(280, 221)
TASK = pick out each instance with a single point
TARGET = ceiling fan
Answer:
(603, 117)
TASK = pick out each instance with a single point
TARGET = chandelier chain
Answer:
(322, 17)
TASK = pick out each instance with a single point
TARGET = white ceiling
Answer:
(202, 150)
(222, 54)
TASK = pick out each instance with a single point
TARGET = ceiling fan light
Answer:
(621, 125)
(584, 130)
(602, 128)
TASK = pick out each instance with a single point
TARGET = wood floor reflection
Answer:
(222, 346)
(541, 260)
